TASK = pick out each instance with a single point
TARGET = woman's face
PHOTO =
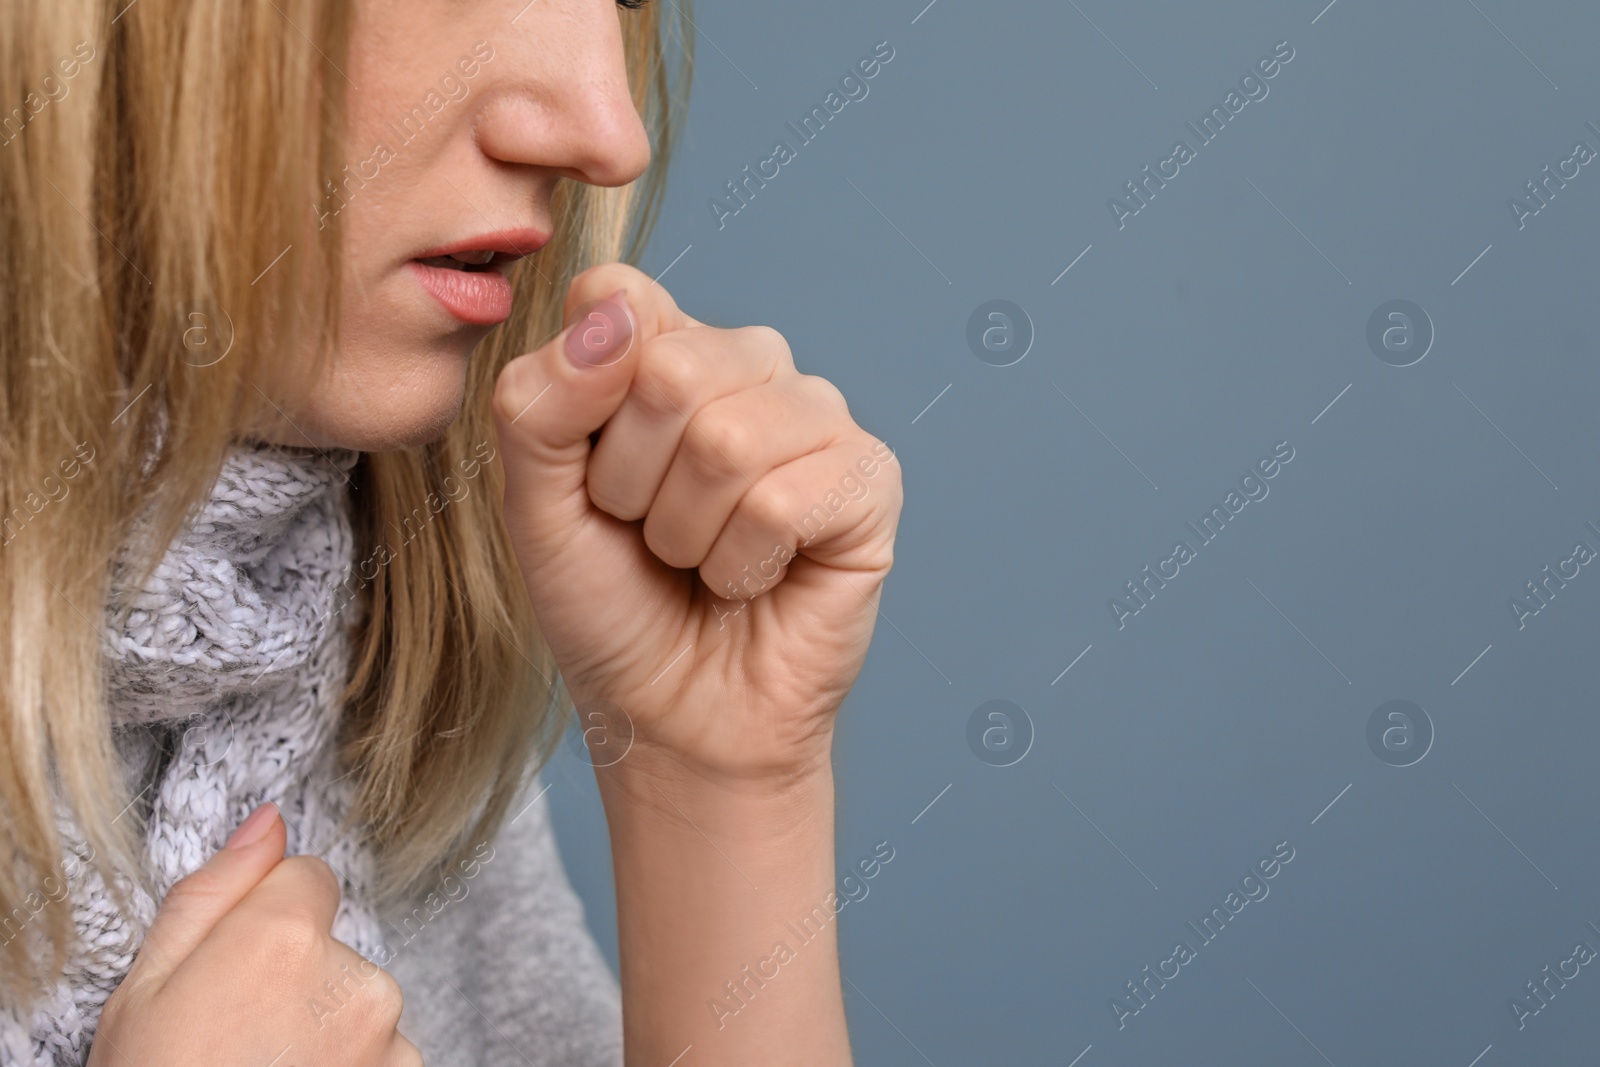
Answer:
(462, 117)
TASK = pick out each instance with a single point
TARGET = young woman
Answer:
(339, 463)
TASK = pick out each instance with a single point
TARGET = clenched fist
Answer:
(704, 530)
(238, 954)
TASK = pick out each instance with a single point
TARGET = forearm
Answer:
(726, 917)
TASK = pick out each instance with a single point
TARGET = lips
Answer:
(514, 243)
(477, 298)
(471, 277)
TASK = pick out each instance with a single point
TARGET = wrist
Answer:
(711, 868)
(651, 784)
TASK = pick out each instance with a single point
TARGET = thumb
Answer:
(547, 405)
(196, 903)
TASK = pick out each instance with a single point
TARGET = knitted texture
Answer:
(236, 650)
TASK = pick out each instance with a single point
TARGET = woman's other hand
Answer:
(240, 966)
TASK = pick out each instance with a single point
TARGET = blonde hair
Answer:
(159, 160)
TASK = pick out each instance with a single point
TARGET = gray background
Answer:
(1224, 318)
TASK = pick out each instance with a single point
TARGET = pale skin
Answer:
(712, 448)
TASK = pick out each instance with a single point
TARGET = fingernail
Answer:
(254, 828)
(602, 331)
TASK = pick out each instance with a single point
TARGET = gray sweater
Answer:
(221, 686)
(499, 967)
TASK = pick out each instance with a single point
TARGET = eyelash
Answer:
(632, 5)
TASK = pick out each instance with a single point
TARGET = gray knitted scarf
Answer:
(223, 682)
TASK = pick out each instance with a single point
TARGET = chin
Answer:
(393, 390)
(410, 430)
(404, 411)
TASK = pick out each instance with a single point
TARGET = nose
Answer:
(561, 99)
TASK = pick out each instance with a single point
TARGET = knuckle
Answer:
(830, 395)
(767, 340)
(718, 439)
(600, 281)
(385, 999)
(668, 371)
(602, 274)
(770, 503)
(312, 875)
(293, 944)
